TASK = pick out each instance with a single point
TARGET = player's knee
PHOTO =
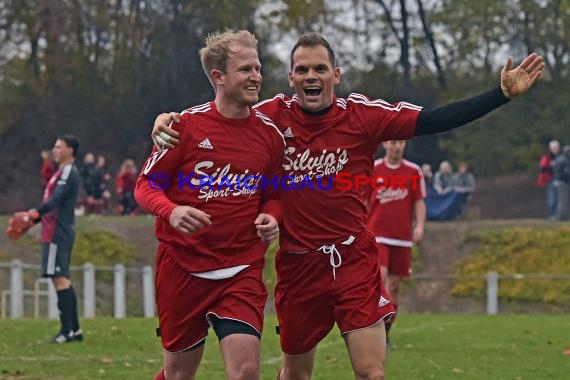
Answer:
(370, 373)
(244, 371)
(369, 370)
(61, 283)
(179, 373)
(296, 374)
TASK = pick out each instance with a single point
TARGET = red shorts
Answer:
(309, 300)
(185, 302)
(397, 259)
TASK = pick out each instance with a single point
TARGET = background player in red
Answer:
(396, 200)
(210, 208)
(327, 265)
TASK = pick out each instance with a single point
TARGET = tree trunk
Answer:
(405, 44)
(404, 40)
(433, 47)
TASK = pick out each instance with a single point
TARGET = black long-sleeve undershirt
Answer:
(459, 113)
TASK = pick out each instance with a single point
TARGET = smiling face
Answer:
(313, 77)
(241, 80)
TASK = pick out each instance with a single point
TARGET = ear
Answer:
(337, 75)
(217, 76)
(290, 79)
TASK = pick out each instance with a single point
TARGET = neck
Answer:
(231, 110)
(319, 112)
(392, 160)
(66, 161)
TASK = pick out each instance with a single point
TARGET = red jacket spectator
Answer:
(545, 164)
(48, 167)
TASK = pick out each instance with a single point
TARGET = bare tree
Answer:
(403, 37)
(429, 36)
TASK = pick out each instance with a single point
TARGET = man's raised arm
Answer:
(514, 82)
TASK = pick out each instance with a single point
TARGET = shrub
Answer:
(518, 250)
(102, 248)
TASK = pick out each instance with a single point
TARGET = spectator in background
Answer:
(104, 176)
(561, 174)
(92, 183)
(443, 179)
(428, 174)
(48, 166)
(464, 180)
(545, 177)
(125, 185)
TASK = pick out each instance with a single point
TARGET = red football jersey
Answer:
(392, 199)
(217, 169)
(342, 140)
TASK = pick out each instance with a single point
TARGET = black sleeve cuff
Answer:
(459, 113)
(43, 209)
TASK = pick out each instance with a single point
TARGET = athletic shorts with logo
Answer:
(56, 257)
(309, 300)
(185, 302)
(397, 259)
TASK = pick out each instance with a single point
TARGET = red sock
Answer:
(160, 375)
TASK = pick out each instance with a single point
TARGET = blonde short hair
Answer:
(217, 50)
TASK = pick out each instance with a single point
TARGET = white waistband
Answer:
(396, 242)
(220, 274)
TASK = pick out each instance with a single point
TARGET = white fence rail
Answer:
(44, 288)
(492, 279)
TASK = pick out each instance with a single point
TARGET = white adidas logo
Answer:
(206, 144)
(383, 302)
(288, 133)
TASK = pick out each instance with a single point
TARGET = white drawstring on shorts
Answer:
(334, 255)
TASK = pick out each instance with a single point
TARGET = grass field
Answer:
(426, 347)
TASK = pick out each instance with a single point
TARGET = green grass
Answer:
(427, 347)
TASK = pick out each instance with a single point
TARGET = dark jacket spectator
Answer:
(428, 174)
(561, 166)
(464, 180)
(561, 174)
(443, 179)
(90, 176)
(93, 185)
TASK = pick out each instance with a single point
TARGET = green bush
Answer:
(102, 248)
(518, 250)
(4, 256)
